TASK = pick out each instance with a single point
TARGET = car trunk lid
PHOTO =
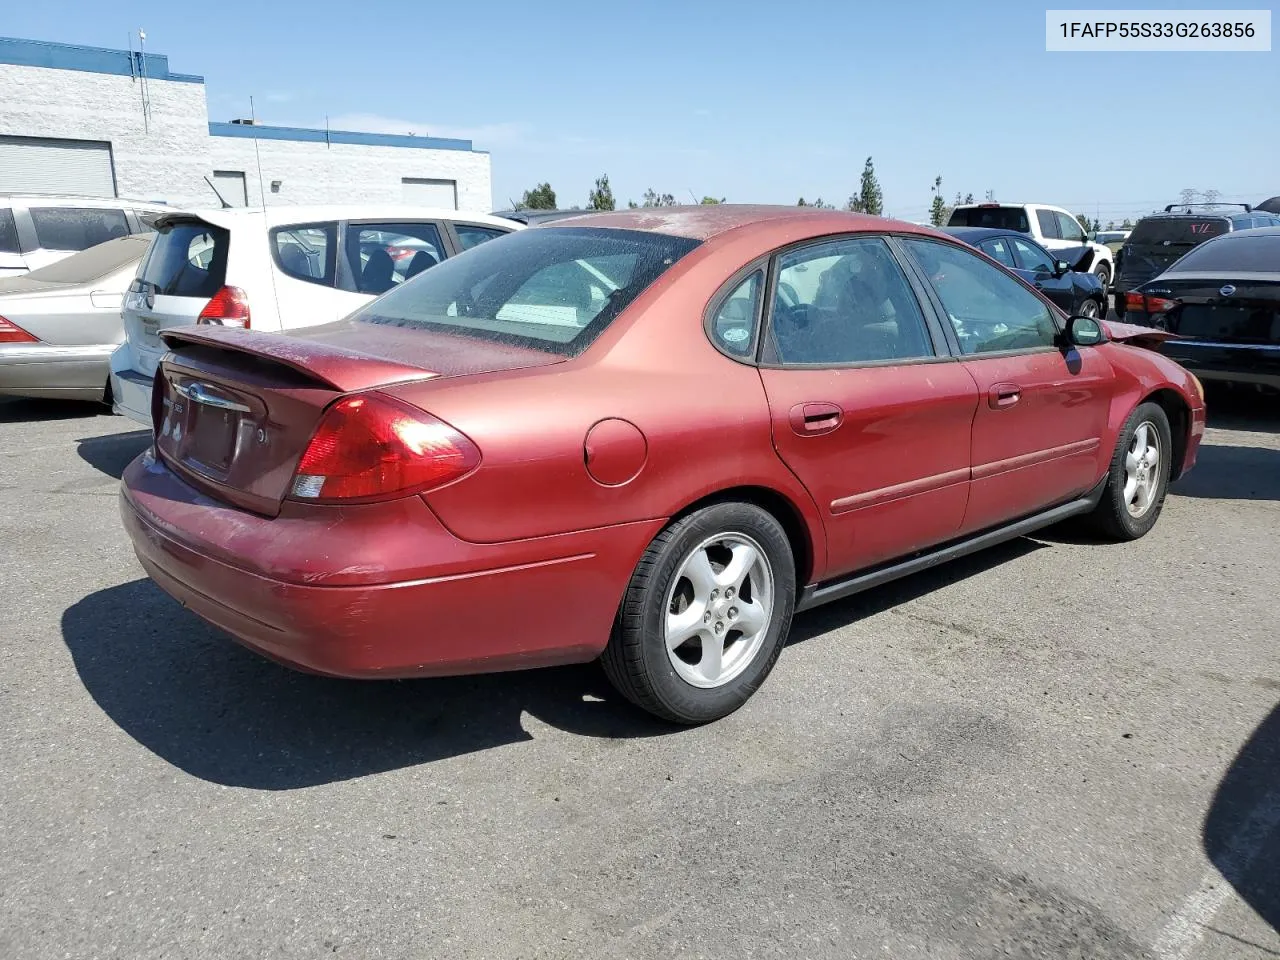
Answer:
(1222, 310)
(234, 410)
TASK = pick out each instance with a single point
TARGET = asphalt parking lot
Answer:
(1054, 749)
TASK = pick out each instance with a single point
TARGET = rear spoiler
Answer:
(335, 367)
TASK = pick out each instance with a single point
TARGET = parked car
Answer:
(1160, 239)
(1054, 228)
(59, 324)
(278, 268)
(1223, 300)
(37, 230)
(1065, 279)
(534, 217)
(1113, 240)
(1270, 206)
(480, 472)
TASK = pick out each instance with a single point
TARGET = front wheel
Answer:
(1090, 308)
(705, 615)
(1103, 273)
(1138, 478)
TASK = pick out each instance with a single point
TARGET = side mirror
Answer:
(1083, 332)
(1061, 267)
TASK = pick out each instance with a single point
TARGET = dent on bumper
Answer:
(449, 607)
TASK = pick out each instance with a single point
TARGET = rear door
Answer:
(1041, 414)
(379, 255)
(869, 410)
(305, 260)
(184, 267)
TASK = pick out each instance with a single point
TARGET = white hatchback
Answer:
(274, 269)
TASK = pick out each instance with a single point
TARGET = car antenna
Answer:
(221, 199)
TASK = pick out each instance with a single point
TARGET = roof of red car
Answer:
(703, 222)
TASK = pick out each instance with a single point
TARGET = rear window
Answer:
(1233, 254)
(553, 289)
(187, 259)
(76, 228)
(1001, 218)
(1179, 230)
(8, 232)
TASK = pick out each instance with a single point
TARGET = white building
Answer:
(100, 122)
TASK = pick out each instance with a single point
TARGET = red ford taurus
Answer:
(648, 437)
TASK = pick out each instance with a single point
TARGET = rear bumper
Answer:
(130, 390)
(50, 370)
(378, 591)
(1233, 363)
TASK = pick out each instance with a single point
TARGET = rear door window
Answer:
(76, 228)
(8, 232)
(187, 259)
(1048, 225)
(306, 251)
(382, 255)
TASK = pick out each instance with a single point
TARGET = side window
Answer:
(733, 328)
(989, 310)
(470, 235)
(1048, 224)
(998, 250)
(76, 228)
(846, 301)
(382, 255)
(8, 232)
(1069, 228)
(1032, 257)
(306, 251)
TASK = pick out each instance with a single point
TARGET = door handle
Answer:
(1004, 395)
(816, 418)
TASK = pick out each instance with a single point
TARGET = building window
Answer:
(231, 187)
(429, 193)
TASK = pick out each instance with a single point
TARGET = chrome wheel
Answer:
(1089, 309)
(718, 610)
(1142, 469)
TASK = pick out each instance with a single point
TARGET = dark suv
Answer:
(1160, 239)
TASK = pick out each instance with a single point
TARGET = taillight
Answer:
(371, 447)
(228, 308)
(1147, 303)
(10, 332)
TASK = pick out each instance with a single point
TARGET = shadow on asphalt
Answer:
(31, 411)
(1236, 408)
(112, 453)
(1232, 473)
(222, 713)
(1242, 828)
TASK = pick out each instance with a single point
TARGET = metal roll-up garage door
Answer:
(47, 165)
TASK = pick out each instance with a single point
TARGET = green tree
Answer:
(653, 199)
(869, 198)
(816, 204)
(706, 200)
(601, 198)
(541, 197)
(1127, 225)
(937, 206)
(1089, 226)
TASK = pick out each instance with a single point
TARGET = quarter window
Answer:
(382, 255)
(734, 326)
(76, 228)
(989, 310)
(1032, 257)
(470, 236)
(846, 301)
(306, 251)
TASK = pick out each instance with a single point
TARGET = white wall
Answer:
(165, 163)
(349, 173)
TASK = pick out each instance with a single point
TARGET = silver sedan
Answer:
(59, 324)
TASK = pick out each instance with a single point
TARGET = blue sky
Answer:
(747, 100)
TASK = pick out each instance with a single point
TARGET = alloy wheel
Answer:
(1142, 469)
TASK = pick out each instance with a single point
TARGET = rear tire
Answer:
(705, 614)
(1138, 478)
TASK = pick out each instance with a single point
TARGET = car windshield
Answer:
(552, 288)
(1183, 231)
(1002, 218)
(1237, 252)
(93, 263)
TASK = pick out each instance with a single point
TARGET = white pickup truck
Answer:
(1052, 227)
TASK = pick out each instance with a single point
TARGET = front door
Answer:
(868, 409)
(1042, 412)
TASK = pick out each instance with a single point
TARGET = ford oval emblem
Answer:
(1228, 290)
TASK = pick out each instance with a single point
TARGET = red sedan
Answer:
(648, 437)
